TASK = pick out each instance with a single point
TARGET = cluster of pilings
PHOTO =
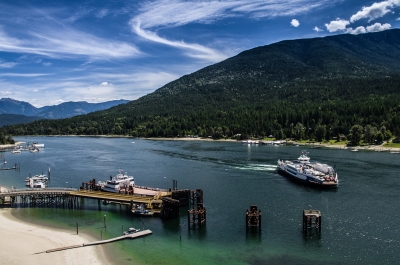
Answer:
(197, 215)
(170, 208)
(253, 217)
(90, 185)
(312, 220)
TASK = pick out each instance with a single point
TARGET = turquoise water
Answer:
(359, 218)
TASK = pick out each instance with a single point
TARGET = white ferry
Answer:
(309, 172)
(120, 183)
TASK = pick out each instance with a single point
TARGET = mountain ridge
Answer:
(335, 81)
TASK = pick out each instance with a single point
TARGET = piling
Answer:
(253, 217)
(312, 220)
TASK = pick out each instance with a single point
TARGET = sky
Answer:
(58, 51)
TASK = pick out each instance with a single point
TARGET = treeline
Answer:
(6, 139)
(309, 120)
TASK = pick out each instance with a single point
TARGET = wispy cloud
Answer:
(192, 50)
(161, 14)
(317, 29)
(7, 64)
(55, 43)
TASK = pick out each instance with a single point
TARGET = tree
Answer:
(356, 133)
(320, 132)
(369, 133)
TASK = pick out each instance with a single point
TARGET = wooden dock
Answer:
(130, 236)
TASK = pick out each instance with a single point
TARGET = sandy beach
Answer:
(24, 243)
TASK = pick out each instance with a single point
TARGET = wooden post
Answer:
(105, 225)
(76, 227)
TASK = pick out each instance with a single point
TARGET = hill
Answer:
(289, 89)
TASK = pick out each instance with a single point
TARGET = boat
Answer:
(354, 150)
(16, 151)
(309, 172)
(142, 211)
(131, 230)
(121, 183)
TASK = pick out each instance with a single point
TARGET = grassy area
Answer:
(392, 145)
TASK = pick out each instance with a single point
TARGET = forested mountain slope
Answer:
(333, 82)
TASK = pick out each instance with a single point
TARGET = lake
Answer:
(359, 218)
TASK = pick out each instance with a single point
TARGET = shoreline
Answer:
(377, 148)
(26, 243)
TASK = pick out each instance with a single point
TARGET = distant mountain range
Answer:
(13, 111)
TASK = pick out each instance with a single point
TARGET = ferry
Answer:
(120, 183)
(37, 181)
(309, 172)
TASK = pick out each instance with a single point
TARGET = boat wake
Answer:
(258, 167)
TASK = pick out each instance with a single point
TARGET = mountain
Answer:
(70, 109)
(15, 112)
(11, 106)
(287, 88)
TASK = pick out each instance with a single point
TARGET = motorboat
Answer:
(142, 211)
(309, 172)
(131, 230)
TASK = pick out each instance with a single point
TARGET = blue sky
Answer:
(57, 51)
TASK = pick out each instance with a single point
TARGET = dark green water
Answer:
(360, 218)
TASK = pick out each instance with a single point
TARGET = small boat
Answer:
(15, 151)
(131, 230)
(309, 172)
(354, 150)
(142, 211)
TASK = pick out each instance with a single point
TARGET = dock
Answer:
(130, 236)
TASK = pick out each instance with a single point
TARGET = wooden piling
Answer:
(253, 217)
(312, 219)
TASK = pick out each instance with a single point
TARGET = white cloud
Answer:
(47, 64)
(105, 84)
(378, 27)
(295, 23)
(358, 30)
(337, 25)
(376, 10)
(317, 29)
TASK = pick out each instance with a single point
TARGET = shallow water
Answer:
(359, 218)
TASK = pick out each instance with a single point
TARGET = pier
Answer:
(129, 236)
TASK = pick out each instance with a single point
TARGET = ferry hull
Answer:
(305, 180)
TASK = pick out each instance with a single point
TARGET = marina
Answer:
(232, 177)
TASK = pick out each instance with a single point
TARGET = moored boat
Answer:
(131, 230)
(309, 172)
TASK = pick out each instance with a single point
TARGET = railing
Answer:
(38, 189)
